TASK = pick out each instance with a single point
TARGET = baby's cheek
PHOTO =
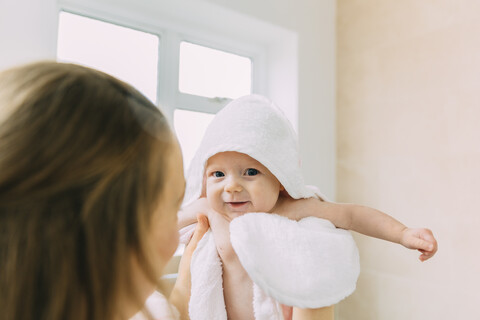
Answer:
(211, 199)
(270, 199)
(216, 204)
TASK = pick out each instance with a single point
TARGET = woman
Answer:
(91, 180)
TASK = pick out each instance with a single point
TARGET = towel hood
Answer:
(255, 126)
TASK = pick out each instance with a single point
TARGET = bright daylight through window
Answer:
(213, 73)
(125, 53)
(134, 57)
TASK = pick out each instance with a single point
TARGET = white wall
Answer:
(28, 31)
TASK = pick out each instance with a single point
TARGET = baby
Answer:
(248, 163)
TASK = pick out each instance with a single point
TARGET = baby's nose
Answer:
(233, 185)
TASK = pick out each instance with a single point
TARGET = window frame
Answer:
(192, 102)
(119, 25)
(170, 37)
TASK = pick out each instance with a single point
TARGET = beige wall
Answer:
(408, 130)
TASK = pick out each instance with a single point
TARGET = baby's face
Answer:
(237, 183)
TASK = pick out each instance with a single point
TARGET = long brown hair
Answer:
(81, 172)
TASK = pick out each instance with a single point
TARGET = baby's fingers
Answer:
(421, 239)
(419, 244)
(432, 246)
(425, 255)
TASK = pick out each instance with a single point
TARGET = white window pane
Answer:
(213, 73)
(125, 53)
(190, 126)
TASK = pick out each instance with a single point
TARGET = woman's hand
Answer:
(180, 296)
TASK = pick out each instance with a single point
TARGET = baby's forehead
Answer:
(231, 158)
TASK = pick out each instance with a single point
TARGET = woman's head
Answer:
(85, 162)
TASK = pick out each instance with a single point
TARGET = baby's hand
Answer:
(420, 239)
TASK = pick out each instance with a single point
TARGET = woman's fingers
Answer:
(180, 295)
(200, 230)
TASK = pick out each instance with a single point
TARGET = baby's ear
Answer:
(284, 193)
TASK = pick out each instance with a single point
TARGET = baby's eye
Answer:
(218, 174)
(251, 172)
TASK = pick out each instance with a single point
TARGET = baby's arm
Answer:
(377, 224)
(365, 220)
(188, 215)
(325, 313)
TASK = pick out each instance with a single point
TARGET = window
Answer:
(174, 40)
(190, 127)
(213, 73)
(191, 82)
(207, 73)
(125, 53)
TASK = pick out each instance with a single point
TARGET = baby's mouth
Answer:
(237, 204)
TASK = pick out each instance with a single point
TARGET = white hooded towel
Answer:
(308, 264)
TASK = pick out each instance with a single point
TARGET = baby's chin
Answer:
(231, 211)
(230, 215)
(235, 214)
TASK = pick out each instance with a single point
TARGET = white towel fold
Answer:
(307, 264)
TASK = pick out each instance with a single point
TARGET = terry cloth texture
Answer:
(307, 263)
